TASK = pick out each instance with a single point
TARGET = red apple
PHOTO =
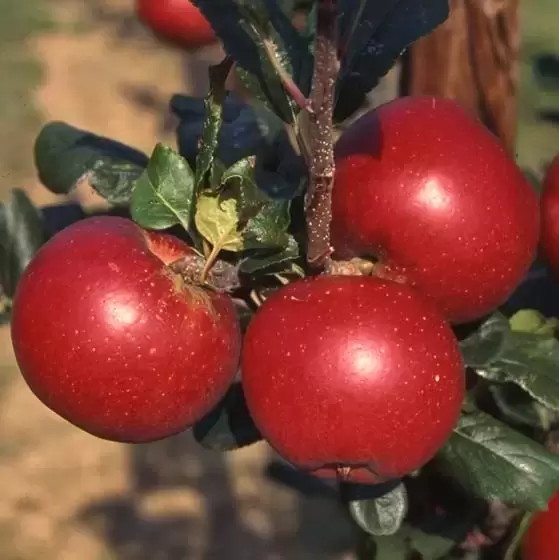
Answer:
(541, 541)
(358, 378)
(550, 216)
(108, 337)
(432, 194)
(177, 21)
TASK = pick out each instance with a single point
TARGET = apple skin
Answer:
(541, 541)
(349, 377)
(178, 21)
(109, 338)
(550, 216)
(432, 194)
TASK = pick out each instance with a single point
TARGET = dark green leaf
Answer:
(164, 194)
(487, 343)
(229, 425)
(546, 71)
(212, 122)
(252, 33)
(519, 407)
(532, 362)
(261, 261)
(65, 156)
(383, 32)
(495, 462)
(22, 233)
(383, 514)
(269, 227)
(249, 196)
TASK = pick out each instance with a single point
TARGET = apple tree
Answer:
(373, 307)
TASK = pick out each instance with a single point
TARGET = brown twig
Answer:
(320, 137)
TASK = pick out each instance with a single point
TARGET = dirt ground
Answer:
(69, 496)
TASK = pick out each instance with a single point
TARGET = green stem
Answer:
(210, 261)
(510, 554)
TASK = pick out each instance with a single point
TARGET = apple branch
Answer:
(320, 137)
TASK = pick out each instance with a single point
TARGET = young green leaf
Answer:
(217, 220)
(22, 233)
(382, 514)
(374, 35)
(164, 194)
(532, 321)
(65, 156)
(229, 425)
(495, 462)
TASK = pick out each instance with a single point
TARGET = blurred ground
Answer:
(66, 495)
(69, 496)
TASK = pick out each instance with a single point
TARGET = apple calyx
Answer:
(193, 268)
(358, 266)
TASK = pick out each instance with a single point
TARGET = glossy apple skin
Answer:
(357, 372)
(550, 216)
(177, 21)
(541, 541)
(433, 195)
(111, 340)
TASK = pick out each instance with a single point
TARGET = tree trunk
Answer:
(472, 58)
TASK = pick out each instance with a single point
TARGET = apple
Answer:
(550, 216)
(541, 541)
(178, 21)
(111, 339)
(431, 194)
(355, 378)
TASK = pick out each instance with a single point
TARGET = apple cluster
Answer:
(356, 377)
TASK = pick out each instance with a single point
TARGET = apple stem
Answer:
(210, 261)
(320, 137)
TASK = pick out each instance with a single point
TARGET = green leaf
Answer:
(262, 261)
(383, 31)
(487, 343)
(22, 233)
(518, 407)
(212, 121)
(242, 217)
(164, 194)
(229, 425)
(383, 514)
(532, 321)
(495, 462)
(269, 227)
(250, 198)
(66, 156)
(255, 32)
(410, 542)
(217, 220)
(530, 361)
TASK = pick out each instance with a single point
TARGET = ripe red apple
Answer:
(541, 541)
(432, 194)
(177, 21)
(352, 377)
(550, 216)
(108, 337)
